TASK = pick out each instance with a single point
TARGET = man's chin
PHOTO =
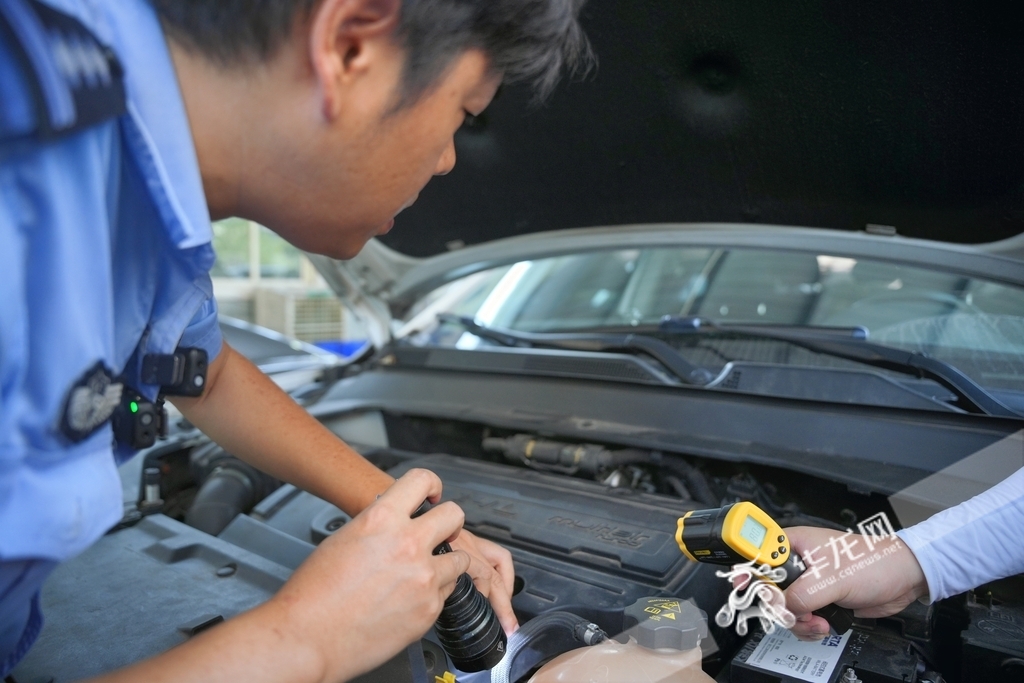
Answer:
(341, 251)
(346, 244)
(347, 251)
(386, 228)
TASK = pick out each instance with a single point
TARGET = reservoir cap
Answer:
(666, 623)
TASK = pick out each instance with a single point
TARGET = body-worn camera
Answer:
(182, 373)
(139, 422)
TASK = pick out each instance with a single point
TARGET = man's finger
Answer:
(501, 601)
(482, 575)
(807, 594)
(814, 628)
(442, 523)
(408, 493)
(506, 571)
(450, 567)
(447, 589)
(798, 545)
(455, 534)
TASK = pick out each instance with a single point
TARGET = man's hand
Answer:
(879, 589)
(374, 586)
(247, 414)
(491, 568)
(363, 595)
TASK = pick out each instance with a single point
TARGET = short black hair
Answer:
(531, 41)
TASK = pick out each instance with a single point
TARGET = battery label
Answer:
(780, 652)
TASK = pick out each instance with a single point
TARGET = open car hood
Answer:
(812, 114)
(380, 283)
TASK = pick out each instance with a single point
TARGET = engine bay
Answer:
(590, 527)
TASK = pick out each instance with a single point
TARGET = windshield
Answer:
(974, 324)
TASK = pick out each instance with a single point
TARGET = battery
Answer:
(875, 656)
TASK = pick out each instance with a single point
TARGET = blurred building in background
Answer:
(260, 278)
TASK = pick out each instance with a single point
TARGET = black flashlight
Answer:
(468, 628)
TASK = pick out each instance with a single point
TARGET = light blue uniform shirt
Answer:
(104, 257)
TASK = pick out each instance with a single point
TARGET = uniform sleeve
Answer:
(203, 331)
(970, 544)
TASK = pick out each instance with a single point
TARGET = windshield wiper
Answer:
(681, 369)
(851, 344)
(694, 324)
(848, 343)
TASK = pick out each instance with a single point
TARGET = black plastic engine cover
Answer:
(577, 545)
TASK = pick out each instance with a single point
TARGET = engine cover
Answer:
(577, 545)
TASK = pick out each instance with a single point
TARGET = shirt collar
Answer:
(156, 129)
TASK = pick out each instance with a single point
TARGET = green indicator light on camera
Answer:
(134, 407)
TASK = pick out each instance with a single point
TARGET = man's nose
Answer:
(447, 161)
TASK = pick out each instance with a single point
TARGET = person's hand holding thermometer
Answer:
(742, 532)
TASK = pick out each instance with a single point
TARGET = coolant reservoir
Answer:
(664, 646)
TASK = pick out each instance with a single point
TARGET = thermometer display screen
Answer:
(753, 532)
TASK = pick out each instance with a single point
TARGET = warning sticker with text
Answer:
(781, 652)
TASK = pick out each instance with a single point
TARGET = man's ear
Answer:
(340, 31)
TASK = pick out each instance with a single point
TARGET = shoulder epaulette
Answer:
(71, 79)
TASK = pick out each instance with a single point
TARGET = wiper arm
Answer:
(681, 369)
(849, 344)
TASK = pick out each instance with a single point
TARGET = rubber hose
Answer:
(542, 638)
(696, 482)
(223, 496)
(628, 456)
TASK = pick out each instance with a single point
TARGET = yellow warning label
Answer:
(669, 615)
(448, 677)
(667, 605)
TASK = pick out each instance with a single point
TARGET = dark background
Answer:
(828, 113)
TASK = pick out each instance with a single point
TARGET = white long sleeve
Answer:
(977, 541)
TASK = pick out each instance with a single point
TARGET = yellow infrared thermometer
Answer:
(743, 532)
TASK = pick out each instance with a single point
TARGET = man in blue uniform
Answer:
(125, 125)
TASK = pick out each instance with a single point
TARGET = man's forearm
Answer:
(249, 415)
(252, 647)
